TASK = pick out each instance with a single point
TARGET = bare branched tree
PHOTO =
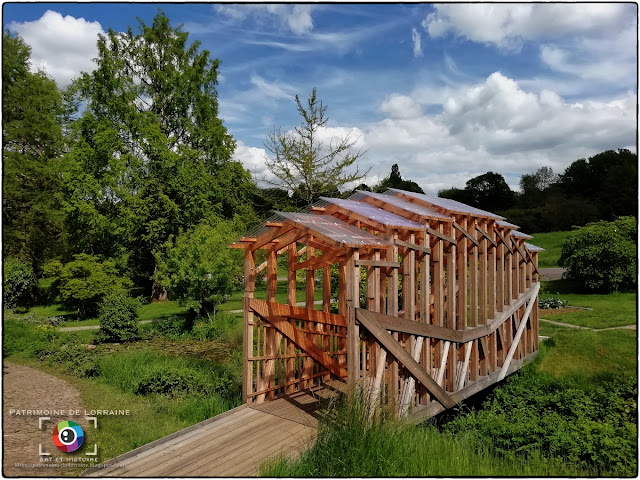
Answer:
(303, 164)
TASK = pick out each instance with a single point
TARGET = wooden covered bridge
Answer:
(432, 301)
(425, 301)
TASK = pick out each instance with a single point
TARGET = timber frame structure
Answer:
(435, 301)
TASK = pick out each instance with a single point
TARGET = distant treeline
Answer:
(602, 187)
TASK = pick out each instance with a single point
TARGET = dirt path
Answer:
(25, 388)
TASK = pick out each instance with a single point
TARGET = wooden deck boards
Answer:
(233, 444)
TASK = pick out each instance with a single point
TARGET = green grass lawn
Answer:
(612, 310)
(552, 244)
(234, 302)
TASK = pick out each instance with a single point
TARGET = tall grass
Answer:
(349, 445)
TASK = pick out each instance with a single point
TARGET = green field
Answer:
(612, 310)
(552, 244)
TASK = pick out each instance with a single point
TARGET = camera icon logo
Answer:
(68, 436)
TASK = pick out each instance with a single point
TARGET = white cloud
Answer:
(62, 46)
(401, 106)
(296, 18)
(273, 90)
(417, 43)
(494, 125)
(507, 25)
(253, 159)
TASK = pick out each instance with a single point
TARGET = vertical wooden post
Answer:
(482, 273)
(452, 364)
(272, 337)
(392, 306)
(491, 256)
(425, 307)
(353, 331)
(473, 303)
(292, 259)
(309, 303)
(247, 331)
(342, 310)
(461, 309)
(438, 287)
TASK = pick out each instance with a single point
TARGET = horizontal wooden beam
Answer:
(273, 224)
(322, 261)
(486, 235)
(466, 234)
(413, 246)
(441, 236)
(402, 325)
(238, 245)
(265, 309)
(395, 349)
(376, 263)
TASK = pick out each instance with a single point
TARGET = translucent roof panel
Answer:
(533, 248)
(402, 204)
(374, 213)
(516, 234)
(337, 230)
(502, 223)
(446, 203)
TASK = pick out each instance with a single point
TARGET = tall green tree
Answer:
(151, 157)
(303, 164)
(32, 141)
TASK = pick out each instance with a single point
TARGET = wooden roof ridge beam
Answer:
(394, 348)
(466, 234)
(486, 235)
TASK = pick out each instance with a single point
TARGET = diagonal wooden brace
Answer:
(289, 330)
(381, 334)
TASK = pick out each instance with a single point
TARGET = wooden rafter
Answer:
(486, 235)
(464, 232)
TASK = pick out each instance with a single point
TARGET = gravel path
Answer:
(548, 274)
(26, 388)
(568, 325)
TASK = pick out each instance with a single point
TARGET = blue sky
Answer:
(447, 91)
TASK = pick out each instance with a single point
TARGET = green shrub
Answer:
(602, 255)
(182, 383)
(197, 267)
(551, 302)
(83, 282)
(18, 282)
(118, 318)
(594, 427)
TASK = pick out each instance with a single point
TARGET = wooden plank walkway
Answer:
(233, 444)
